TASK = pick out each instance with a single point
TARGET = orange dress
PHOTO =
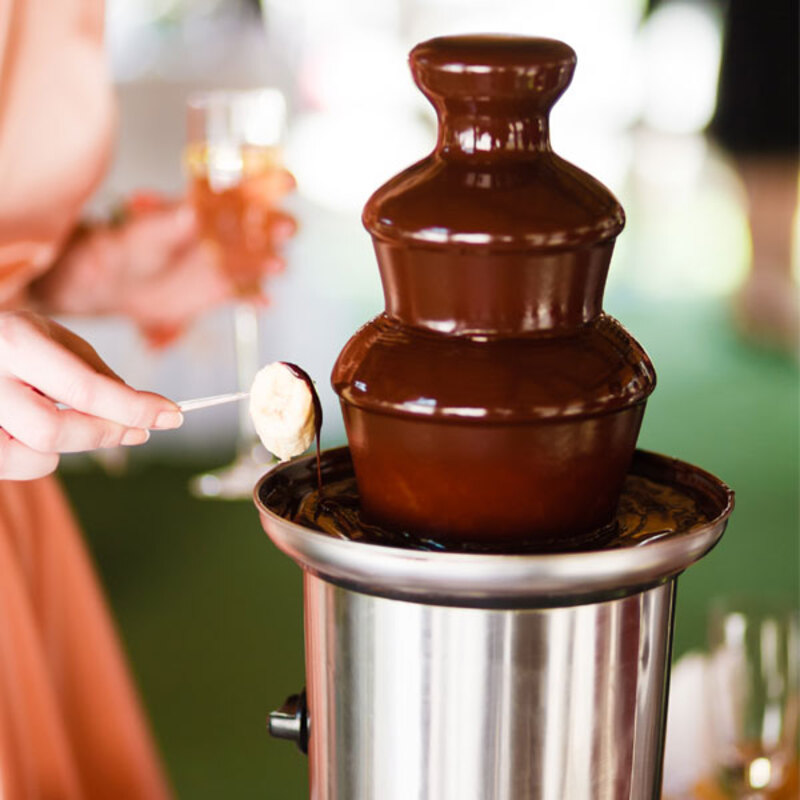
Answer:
(71, 727)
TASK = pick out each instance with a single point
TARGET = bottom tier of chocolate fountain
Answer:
(662, 497)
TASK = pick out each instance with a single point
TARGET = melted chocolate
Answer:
(647, 510)
(493, 403)
(598, 368)
(300, 373)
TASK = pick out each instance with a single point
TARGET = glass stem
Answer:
(245, 325)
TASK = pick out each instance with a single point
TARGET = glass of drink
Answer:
(232, 157)
(754, 697)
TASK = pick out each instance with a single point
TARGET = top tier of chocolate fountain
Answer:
(493, 401)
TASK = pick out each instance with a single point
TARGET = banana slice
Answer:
(284, 409)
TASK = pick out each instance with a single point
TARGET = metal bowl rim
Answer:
(429, 576)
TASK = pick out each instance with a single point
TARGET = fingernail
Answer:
(135, 436)
(168, 419)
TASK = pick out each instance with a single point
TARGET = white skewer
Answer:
(214, 400)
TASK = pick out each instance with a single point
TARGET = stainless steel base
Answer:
(443, 703)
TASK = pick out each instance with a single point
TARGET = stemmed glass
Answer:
(232, 153)
(754, 697)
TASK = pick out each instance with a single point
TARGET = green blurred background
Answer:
(209, 611)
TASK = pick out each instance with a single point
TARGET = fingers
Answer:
(193, 284)
(151, 240)
(282, 227)
(36, 422)
(97, 271)
(273, 265)
(269, 187)
(42, 364)
(20, 463)
(29, 354)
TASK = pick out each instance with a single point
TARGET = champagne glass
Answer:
(754, 697)
(232, 154)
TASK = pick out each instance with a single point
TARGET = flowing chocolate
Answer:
(647, 510)
(493, 403)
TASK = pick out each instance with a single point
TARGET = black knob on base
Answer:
(291, 721)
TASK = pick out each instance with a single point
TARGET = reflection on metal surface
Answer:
(438, 703)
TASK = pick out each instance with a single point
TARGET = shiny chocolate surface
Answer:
(647, 510)
(493, 399)
(537, 201)
(491, 483)
(394, 369)
(514, 293)
(493, 179)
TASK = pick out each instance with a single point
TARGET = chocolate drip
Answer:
(300, 373)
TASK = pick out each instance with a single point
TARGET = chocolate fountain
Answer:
(490, 567)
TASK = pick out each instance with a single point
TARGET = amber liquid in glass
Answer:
(775, 778)
(232, 191)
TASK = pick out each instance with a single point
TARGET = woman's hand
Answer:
(42, 365)
(154, 268)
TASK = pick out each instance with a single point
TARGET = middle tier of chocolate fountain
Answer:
(493, 401)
